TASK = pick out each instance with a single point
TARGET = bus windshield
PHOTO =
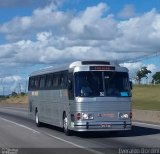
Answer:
(102, 84)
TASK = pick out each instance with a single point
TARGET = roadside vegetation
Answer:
(20, 100)
(146, 97)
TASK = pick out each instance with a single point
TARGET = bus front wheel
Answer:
(65, 125)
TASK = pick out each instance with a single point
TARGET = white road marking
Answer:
(58, 138)
(76, 145)
(23, 126)
(147, 124)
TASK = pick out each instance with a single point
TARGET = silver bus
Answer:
(82, 96)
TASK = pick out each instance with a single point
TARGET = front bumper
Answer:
(102, 126)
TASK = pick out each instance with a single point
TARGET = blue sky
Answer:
(9, 12)
(116, 5)
(39, 34)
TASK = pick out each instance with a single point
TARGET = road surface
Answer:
(19, 134)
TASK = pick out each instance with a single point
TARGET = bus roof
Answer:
(72, 65)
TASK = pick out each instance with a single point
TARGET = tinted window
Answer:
(31, 83)
(63, 80)
(36, 82)
(116, 84)
(49, 80)
(70, 85)
(99, 84)
(56, 80)
(89, 84)
(42, 82)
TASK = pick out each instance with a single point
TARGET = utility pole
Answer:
(19, 87)
(3, 90)
(1, 83)
(26, 86)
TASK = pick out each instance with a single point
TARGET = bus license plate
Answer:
(105, 125)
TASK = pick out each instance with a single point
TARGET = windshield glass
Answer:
(116, 84)
(99, 84)
(88, 83)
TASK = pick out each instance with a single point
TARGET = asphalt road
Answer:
(19, 134)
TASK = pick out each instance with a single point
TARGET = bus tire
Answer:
(38, 123)
(65, 125)
(114, 133)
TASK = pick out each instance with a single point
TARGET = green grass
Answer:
(146, 97)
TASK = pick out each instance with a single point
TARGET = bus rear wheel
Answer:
(38, 123)
(65, 125)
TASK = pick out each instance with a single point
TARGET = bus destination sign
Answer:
(102, 68)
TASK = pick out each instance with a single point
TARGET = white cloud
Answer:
(43, 36)
(90, 27)
(127, 12)
(42, 18)
(138, 65)
(93, 24)
(152, 67)
(58, 33)
(92, 30)
(132, 66)
(136, 36)
(87, 18)
(12, 78)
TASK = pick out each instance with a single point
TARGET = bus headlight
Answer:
(123, 115)
(87, 116)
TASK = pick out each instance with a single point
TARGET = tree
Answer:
(156, 78)
(14, 94)
(142, 73)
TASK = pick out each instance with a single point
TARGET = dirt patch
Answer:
(17, 101)
(20, 105)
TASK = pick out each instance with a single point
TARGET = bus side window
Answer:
(63, 80)
(42, 82)
(55, 81)
(70, 86)
(36, 82)
(31, 83)
(49, 81)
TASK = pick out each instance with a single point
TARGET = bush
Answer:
(14, 94)
(23, 94)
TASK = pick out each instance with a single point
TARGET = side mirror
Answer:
(130, 83)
